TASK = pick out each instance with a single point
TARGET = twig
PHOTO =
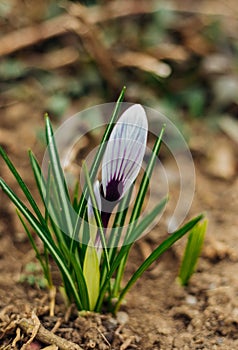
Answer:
(35, 328)
(53, 59)
(24, 37)
(205, 8)
(103, 337)
(144, 62)
(57, 325)
(62, 24)
(45, 336)
(52, 294)
(68, 313)
(17, 338)
(126, 343)
(115, 9)
(94, 45)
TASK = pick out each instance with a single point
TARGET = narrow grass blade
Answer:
(146, 221)
(44, 190)
(156, 254)
(192, 252)
(59, 180)
(50, 209)
(22, 186)
(40, 182)
(75, 196)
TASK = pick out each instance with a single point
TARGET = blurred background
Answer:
(178, 56)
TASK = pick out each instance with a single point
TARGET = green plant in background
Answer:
(192, 252)
(32, 274)
(91, 256)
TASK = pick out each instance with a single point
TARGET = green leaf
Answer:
(52, 208)
(77, 271)
(146, 221)
(75, 195)
(91, 272)
(22, 186)
(59, 181)
(156, 254)
(192, 252)
(40, 182)
(11, 68)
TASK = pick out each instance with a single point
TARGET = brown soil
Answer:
(157, 313)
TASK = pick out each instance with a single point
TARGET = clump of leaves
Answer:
(89, 254)
(32, 274)
(192, 252)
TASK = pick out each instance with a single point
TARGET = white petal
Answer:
(125, 149)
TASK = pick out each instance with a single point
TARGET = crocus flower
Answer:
(122, 160)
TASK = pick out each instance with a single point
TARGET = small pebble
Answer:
(219, 341)
(191, 300)
(20, 237)
(212, 286)
(122, 317)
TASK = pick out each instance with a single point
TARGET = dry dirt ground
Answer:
(158, 313)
